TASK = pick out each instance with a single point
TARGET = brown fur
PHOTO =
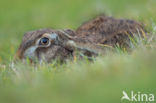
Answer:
(89, 38)
(108, 30)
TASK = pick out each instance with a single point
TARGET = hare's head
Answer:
(47, 45)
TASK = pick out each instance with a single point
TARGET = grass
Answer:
(101, 81)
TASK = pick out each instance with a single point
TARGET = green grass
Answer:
(101, 81)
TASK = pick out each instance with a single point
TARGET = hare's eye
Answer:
(44, 41)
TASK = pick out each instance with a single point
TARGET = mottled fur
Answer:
(88, 38)
(108, 30)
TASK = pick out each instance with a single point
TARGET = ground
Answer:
(78, 81)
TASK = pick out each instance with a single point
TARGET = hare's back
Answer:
(108, 30)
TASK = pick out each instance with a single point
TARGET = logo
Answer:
(137, 97)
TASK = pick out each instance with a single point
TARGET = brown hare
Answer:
(90, 39)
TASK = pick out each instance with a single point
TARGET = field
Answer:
(101, 81)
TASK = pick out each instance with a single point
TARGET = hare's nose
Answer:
(18, 55)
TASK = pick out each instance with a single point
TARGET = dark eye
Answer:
(44, 41)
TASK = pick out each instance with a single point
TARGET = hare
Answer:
(88, 40)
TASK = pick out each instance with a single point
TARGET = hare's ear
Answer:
(84, 52)
(79, 49)
(67, 34)
(68, 40)
(70, 32)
